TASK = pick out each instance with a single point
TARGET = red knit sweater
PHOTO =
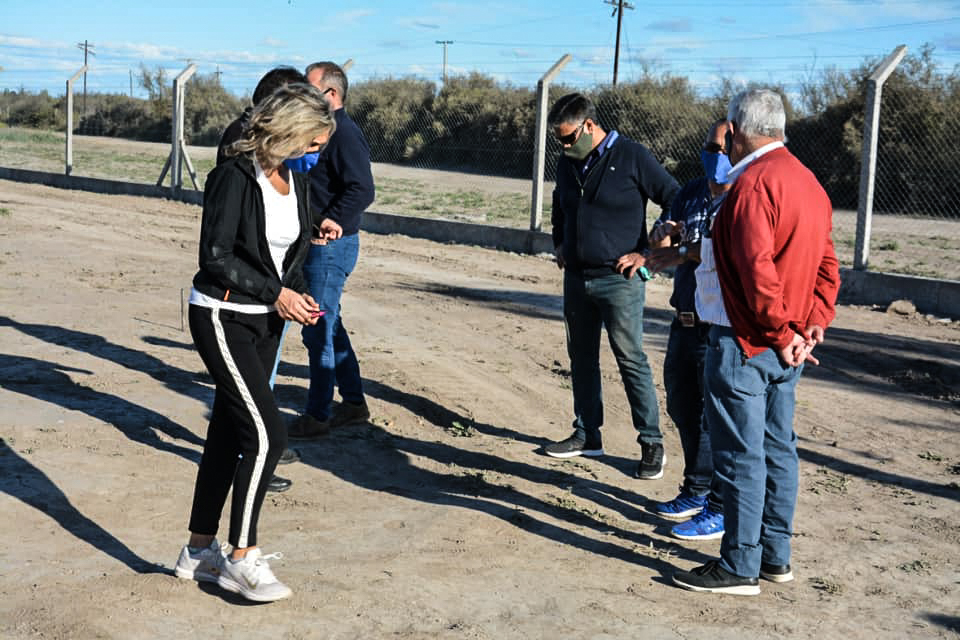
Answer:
(775, 260)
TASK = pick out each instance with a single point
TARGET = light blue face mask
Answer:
(716, 166)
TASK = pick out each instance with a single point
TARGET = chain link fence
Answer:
(475, 160)
(466, 152)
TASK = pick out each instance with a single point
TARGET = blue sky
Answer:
(766, 41)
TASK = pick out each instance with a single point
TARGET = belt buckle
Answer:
(687, 318)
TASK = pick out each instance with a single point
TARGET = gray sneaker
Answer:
(204, 565)
(252, 578)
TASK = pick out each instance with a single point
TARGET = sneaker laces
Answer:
(261, 568)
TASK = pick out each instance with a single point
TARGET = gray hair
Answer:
(332, 75)
(758, 112)
(284, 124)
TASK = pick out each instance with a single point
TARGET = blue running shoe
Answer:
(680, 508)
(707, 525)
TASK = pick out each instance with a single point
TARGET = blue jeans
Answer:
(616, 303)
(276, 362)
(749, 409)
(683, 380)
(332, 360)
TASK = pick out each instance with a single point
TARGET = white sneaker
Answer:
(204, 565)
(252, 578)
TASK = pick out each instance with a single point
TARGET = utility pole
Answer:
(131, 82)
(444, 43)
(618, 7)
(87, 50)
(217, 74)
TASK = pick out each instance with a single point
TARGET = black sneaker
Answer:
(713, 578)
(575, 445)
(278, 484)
(651, 462)
(776, 572)
(289, 456)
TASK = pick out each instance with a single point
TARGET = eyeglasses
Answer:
(326, 91)
(713, 147)
(570, 138)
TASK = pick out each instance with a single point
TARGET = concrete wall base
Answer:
(938, 297)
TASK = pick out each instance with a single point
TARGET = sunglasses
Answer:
(570, 138)
(713, 147)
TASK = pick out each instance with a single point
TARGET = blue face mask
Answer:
(716, 166)
(302, 163)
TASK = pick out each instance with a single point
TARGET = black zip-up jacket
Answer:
(601, 216)
(235, 262)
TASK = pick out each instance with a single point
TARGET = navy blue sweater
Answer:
(341, 183)
(601, 216)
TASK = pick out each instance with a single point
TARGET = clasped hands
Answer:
(299, 307)
(800, 349)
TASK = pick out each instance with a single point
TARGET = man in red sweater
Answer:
(768, 282)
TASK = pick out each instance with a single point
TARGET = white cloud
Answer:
(273, 42)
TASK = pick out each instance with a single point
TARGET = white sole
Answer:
(675, 517)
(743, 590)
(186, 574)
(779, 578)
(234, 587)
(590, 453)
(709, 536)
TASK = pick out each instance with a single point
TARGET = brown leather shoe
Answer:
(306, 427)
(348, 413)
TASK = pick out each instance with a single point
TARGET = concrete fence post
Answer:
(868, 156)
(540, 142)
(68, 158)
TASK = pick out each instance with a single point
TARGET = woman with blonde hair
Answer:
(254, 238)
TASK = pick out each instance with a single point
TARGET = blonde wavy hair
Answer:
(284, 124)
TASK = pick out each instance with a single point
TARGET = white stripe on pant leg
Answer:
(257, 421)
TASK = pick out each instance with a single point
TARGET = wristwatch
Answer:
(682, 251)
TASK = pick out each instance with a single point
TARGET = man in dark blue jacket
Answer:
(341, 188)
(604, 181)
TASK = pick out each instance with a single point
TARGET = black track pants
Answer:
(246, 434)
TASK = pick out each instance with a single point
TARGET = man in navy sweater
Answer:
(341, 188)
(604, 181)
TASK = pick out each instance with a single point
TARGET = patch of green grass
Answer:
(827, 585)
(458, 430)
(890, 245)
(4, 212)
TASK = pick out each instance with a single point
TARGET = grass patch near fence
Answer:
(900, 244)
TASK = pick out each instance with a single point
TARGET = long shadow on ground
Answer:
(23, 481)
(178, 380)
(48, 381)
(371, 457)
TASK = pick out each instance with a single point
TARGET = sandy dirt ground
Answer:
(440, 518)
